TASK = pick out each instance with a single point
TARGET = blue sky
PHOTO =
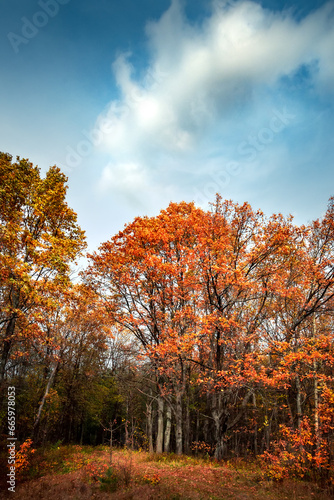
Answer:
(141, 103)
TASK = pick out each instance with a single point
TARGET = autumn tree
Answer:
(147, 276)
(241, 256)
(39, 238)
(301, 340)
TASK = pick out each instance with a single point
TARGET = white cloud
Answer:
(220, 75)
(123, 177)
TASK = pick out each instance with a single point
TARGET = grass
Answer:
(75, 472)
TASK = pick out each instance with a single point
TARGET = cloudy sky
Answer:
(144, 102)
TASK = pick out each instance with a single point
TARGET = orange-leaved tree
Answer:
(241, 254)
(300, 340)
(147, 274)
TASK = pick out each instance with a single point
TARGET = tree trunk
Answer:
(255, 427)
(41, 405)
(168, 429)
(206, 430)
(7, 343)
(298, 402)
(126, 433)
(187, 430)
(219, 450)
(126, 425)
(222, 426)
(5, 354)
(216, 415)
(160, 433)
(149, 426)
(316, 395)
(206, 419)
(178, 424)
(132, 434)
(197, 427)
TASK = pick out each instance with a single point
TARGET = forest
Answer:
(205, 333)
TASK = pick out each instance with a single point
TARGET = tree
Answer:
(75, 354)
(39, 238)
(146, 275)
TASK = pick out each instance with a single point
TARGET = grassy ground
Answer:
(74, 472)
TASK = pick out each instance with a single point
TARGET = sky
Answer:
(143, 102)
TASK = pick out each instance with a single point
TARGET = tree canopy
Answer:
(193, 330)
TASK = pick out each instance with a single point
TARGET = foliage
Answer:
(205, 332)
(299, 454)
(39, 238)
(233, 304)
(23, 457)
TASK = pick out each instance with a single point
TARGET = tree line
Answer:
(194, 331)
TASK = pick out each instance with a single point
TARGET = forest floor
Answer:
(80, 472)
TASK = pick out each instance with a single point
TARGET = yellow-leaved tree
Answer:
(39, 239)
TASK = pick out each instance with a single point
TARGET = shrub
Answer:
(109, 481)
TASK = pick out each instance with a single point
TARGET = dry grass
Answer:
(139, 476)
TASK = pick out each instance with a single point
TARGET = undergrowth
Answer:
(134, 474)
